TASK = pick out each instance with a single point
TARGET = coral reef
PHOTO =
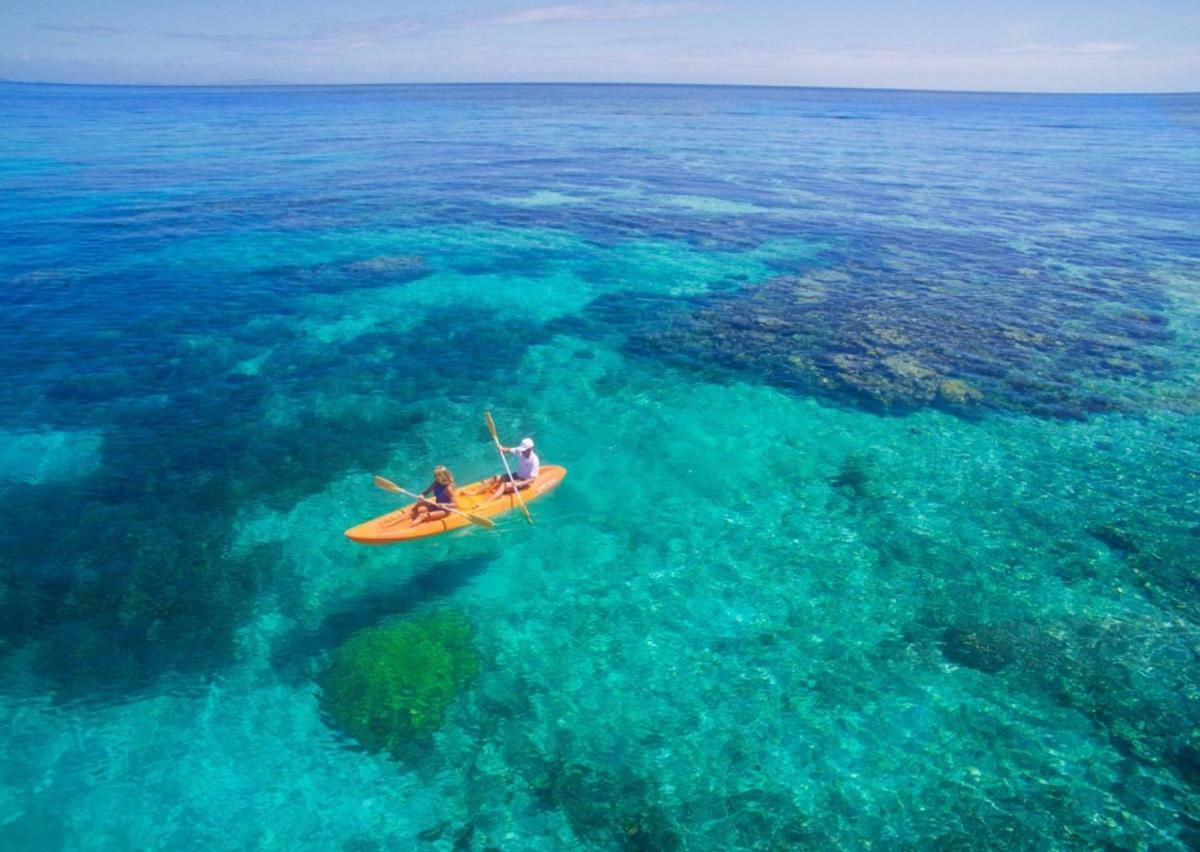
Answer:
(1139, 681)
(894, 335)
(852, 478)
(604, 809)
(987, 647)
(380, 271)
(389, 686)
(1114, 537)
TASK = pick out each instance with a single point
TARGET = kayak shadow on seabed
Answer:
(439, 580)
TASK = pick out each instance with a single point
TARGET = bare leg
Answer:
(504, 486)
(509, 487)
(423, 512)
(427, 513)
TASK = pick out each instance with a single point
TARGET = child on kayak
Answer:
(442, 489)
(528, 467)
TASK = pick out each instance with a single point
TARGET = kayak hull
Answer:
(396, 526)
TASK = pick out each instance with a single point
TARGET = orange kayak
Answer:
(396, 526)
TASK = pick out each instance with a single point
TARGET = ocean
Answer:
(881, 527)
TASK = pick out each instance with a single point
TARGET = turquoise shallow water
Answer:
(881, 526)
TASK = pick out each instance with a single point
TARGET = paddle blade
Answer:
(479, 520)
(491, 424)
(388, 485)
(525, 512)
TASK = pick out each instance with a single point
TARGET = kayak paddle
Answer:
(491, 424)
(388, 485)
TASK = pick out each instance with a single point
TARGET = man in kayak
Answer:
(442, 488)
(528, 467)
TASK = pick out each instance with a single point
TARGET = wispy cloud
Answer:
(603, 12)
(333, 36)
(1087, 48)
(329, 36)
(87, 30)
(221, 39)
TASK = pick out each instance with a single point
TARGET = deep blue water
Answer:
(879, 408)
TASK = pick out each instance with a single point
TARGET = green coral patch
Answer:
(389, 686)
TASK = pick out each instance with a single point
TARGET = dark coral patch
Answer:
(612, 810)
(852, 478)
(389, 686)
(984, 647)
(377, 271)
(1114, 537)
(896, 334)
(1186, 761)
(1138, 681)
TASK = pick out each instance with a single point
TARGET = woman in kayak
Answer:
(442, 489)
(528, 468)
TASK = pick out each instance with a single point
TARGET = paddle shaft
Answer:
(496, 438)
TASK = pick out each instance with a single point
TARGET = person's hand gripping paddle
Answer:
(487, 415)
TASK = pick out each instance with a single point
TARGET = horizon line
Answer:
(613, 83)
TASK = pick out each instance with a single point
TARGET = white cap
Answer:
(525, 445)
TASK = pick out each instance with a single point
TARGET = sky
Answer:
(1018, 45)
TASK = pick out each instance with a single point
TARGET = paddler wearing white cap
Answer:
(528, 467)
